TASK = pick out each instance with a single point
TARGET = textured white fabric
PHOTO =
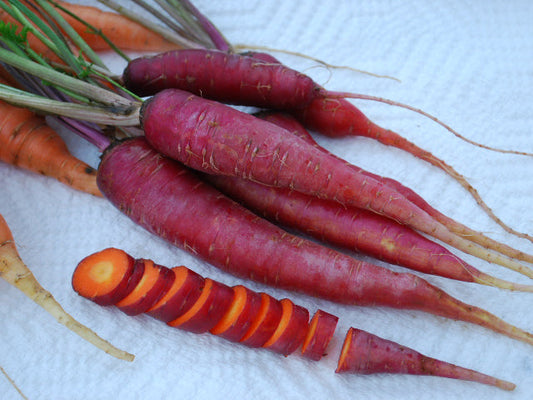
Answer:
(469, 63)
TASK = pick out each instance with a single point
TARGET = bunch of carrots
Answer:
(202, 175)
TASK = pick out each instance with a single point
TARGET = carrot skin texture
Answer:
(365, 353)
(348, 227)
(205, 72)
(170, 201)
(168, 309)
(321, 330)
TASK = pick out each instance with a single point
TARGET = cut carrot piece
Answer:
(321, 330)
(183, 293)
(365, 353)
(155, 282)
(240, 315)
(210, 307)
(263, 326)
(103, 277)
(291, 330)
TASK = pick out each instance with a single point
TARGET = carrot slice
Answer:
(263, 326)
(183, 293)
(205, 313)
(291, 330)
(155, 282)
(321, 330)
(240, 315)
(103, 277)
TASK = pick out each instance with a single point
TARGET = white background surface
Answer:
(469, 63)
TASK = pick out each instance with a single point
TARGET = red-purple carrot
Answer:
(289, 123)
(365, 353)
(217, 139)
(170, 201)
(260, 81)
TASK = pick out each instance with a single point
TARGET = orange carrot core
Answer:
(101, 273)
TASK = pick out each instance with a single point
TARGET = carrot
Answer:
(227, 312)
(263, 326)
(365, 353)
(171, 202)
(217, 139)
(288, 122)
(263, 82)
(15, 272)
(352, 228)
(124, 33)
(26, 141)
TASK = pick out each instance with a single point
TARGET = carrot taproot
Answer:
(354, 229)
(365, 353)
(263, 82)
(321, 330)
(17, 273)
(171, 202)
(26, 141)
(217, 139)
(289, 122)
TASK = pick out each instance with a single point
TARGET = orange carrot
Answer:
(123, 32)
(15, 272)
(364, 353)
(26, 141)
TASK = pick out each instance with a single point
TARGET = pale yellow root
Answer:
(15, 272)
(13, 383)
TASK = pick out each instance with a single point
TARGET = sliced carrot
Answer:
(291, 330)
(183, 293)
(237, 320)
(263, 326)
(103, 277)
(155, 282)
(321, 330)
(210, 307)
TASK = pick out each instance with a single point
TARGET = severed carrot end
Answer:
(103, 277)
